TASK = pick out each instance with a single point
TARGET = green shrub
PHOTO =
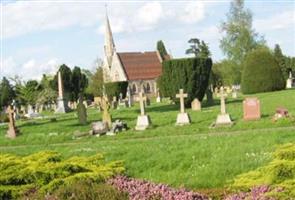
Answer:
(279, 173)
(115, 88)
(190, 74)
(47, 171)
(261, 72)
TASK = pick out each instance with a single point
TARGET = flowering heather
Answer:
(144, 190)
(256, 193)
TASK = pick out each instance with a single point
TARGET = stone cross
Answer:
(60, 86)
(11, 132)
(181, 96)
(222, 96)
(142, 99)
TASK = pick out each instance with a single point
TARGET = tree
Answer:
(79, 83)
(162, 50)
(96, 83)
(6, 92)
(240, 38)
(281, 59)
(262, 72)
(47, 95)
(199, 48)
(30, 91)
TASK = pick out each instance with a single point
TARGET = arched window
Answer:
(133, 88)
(148, 88)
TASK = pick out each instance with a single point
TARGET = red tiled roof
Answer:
(140, 66)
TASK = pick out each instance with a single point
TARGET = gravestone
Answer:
(251, 107)
(290, 81)
(85, 104)
(147, 101)
(12, 130)
(106, 116)
(62, 106)
(158, 100)
(99, 128)
(196, 105)
(280, 113)
(234, 93)
(182, 117)
(82, 112)
(223, 118)
(129, 98)
(143, 120)
(114, 103)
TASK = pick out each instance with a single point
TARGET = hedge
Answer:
(261, 72)
(190, 74)
(115, 88)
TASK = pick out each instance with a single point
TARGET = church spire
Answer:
(109, 45)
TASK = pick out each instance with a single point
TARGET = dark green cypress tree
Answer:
(162, 50)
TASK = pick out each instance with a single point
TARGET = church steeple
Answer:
(109, 45)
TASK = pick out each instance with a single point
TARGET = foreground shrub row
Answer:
(279, 175)
(47, 171)
(144, 190)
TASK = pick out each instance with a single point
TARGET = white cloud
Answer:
(30, 69)
(23, 17)
(193, 12)
(279, 21)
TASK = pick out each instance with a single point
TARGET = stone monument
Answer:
(234, 93)
(82, 112)
(106, 116)
(114, 102)
(143, 120)
(62, 106)
(158, 100)
(290, 81)
(251, 107)
(223, 118)
(129, 98)
(196, 105)
(12, 130)
(182, 117)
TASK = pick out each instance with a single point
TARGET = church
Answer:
(140, 69)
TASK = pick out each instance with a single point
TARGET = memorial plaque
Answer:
(251, 109)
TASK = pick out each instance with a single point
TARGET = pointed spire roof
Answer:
(109, 45)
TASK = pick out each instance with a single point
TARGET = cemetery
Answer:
(149, 126)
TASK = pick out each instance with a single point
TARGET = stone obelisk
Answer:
(62, 106)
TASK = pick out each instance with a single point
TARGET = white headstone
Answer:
(143, 120)
(182, 117)
(223, 118)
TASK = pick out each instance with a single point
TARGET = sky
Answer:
(38, 36)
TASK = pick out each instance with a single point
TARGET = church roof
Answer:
(140, 66)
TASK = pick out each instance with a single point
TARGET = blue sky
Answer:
(38, 36)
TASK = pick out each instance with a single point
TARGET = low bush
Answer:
(279, 174)
(47, 171)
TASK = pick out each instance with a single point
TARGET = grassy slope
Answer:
(193, 156)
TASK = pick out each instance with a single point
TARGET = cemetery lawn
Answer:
(194, 156)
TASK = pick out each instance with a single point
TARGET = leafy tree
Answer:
(79, 83)
(47, 95)
(162, 50)
(30, 91)
(262, 72)
(198, 48)
(96, 83)
(225, 72)
(6, 92)
(240, 38)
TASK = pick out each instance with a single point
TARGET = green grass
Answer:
(193, 156)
